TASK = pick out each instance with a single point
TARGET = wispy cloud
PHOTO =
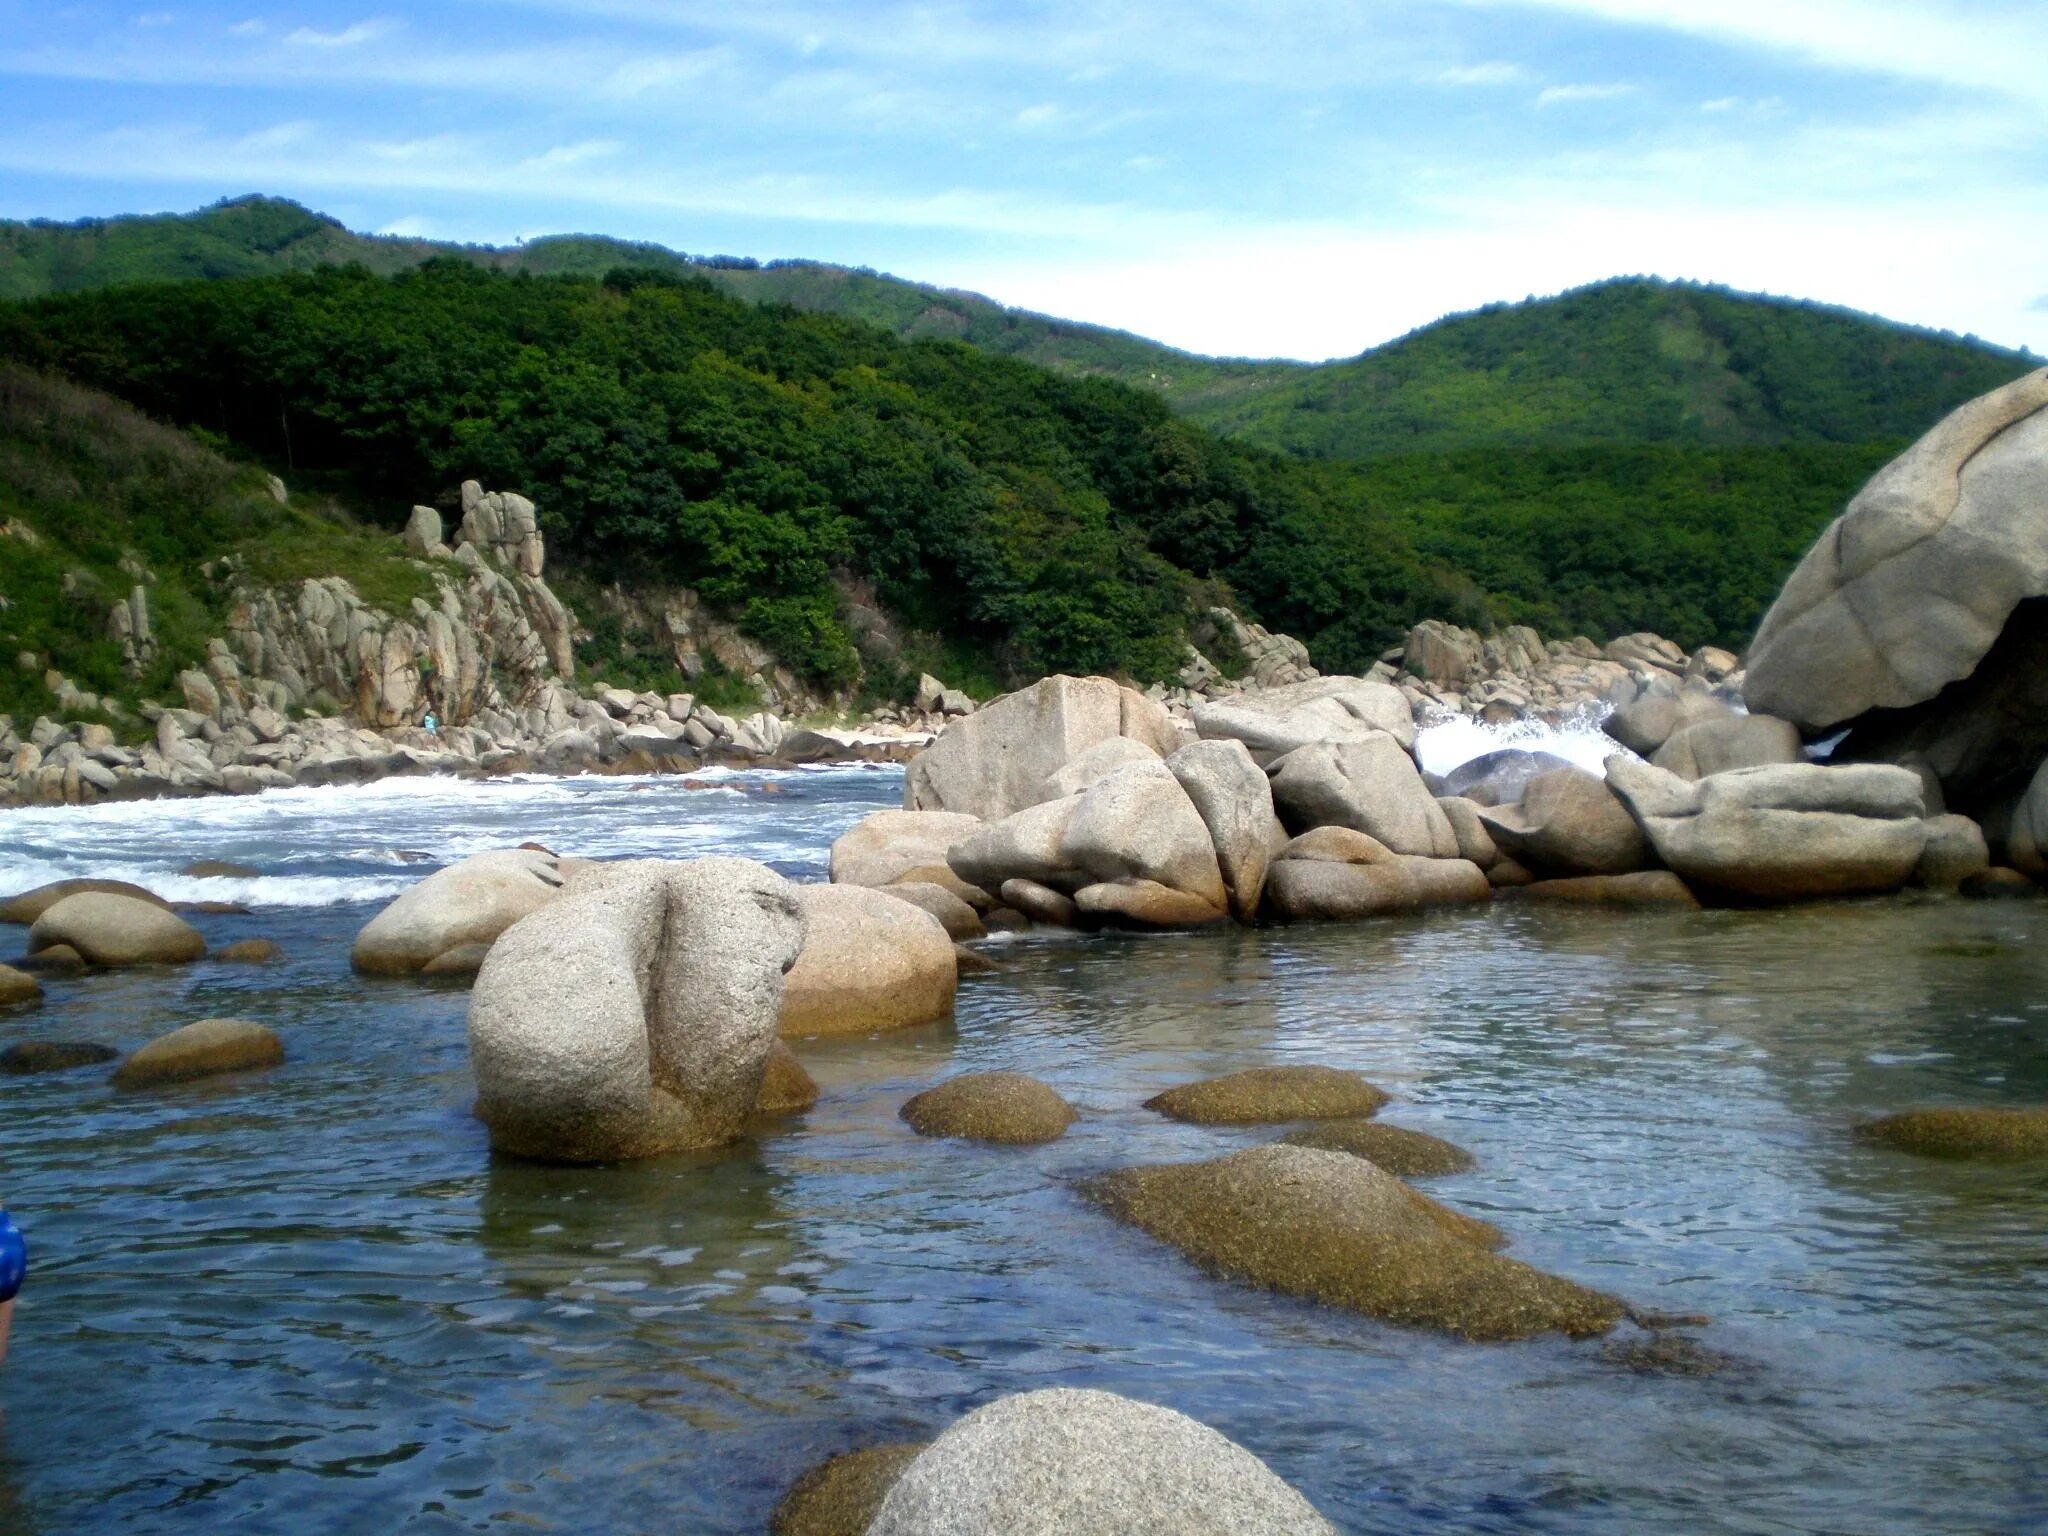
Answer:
(1562, 95)
(352, 36)
(1495, 72)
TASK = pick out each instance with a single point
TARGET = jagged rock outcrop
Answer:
(635, 1015)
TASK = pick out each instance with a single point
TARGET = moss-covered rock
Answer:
(1343, 1231)
(1404, 1153)
(786, 1088)
(28, 1056)
(991, 1106)
(1263, 1095)
(1977, 1133)
(839, 1497)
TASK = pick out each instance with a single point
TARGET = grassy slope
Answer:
(95, 483)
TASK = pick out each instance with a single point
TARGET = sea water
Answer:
(310, 1300)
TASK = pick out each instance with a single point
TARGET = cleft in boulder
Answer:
(1138, 826)
(1404, 1153)
(1062, 1462)
(113, 930)
(1235, 801)
(1780, 833)
(1370, 785)
(991, 1106)
(636, 1014)
(205, 1049)
(1342, 1230)
(1261, 1095)
(869, 962)
(1988, 1134)
(472, 902)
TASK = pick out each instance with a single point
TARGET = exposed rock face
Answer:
(1369, 784)
(116, 930)
(1022, 846)
(1341, 1230)
(1954, 852)
(869, 962)
(1334, 874)
(1658, 710)
(1236, 804)
(1062, 1462)
(502, 526)
(1326, 709)
(201, 1050)
(786, 1087)
(1000, 759)
(956, 916)
(636, 1014)
(1780, 833)
(1569, 823)
(991, 1106)
(1909, 592)
(468, 903)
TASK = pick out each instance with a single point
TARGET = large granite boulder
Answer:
(1139, 825)
(869, 962)
(116, 930)
(1001, 758)
(636, 1013)
(1324, 709)
(472, 902)
(1062, 1462)
(1236, 804)
(30, 905)
(1369, 784)
(893, 846)
(1025, 845)
(1780, 833)
(1920, 618)
(1333, 874)
(1658, 710)
(1499, 777)
(1727, 742)
(1570, 823)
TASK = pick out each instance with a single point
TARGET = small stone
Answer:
(201, 1050)
(972, 962)
(840, 1497)
(248, 952)
(1404, 1153)
(1998, 884)
(786, 1088)
(18, 987)
(1265, 1094)
(60, 959)
(991, 1106)
(1964, 1133)
(28, 1056)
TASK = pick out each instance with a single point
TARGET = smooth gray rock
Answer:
(1235, 801)
(472, 902)
(870, 961)
(116, 930)
(1728, 742)
(887, 846)
(1062, 1462)
(1001, 759)
(1370, 785)
(1334, 874)
(1475, 843)
(959, 919)
(1780, 833)
(1023, 846)
(1955, 850)
(635, 1014)
(1097, 764)
(1660, 710)
(1500, 776)
(1277, 721)
(1908, 589)
(1569, 822)
(1139, 824)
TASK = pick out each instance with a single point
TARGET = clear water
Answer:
(310, 1301)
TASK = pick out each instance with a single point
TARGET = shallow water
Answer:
(310, 1301)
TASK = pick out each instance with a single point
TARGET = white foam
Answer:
(1449, 743)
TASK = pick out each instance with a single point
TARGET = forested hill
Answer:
(1629, 362)
(254, 236)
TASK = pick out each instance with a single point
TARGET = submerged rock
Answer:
(1262, 1095)
(1062, 1462)
(1404, 1153)
(248, 952)
(29, 1056)
(637, 1013)
(467, 903)
(30, 905)
(115, 930)
(991, 1106)
(1644, 888)
(840, 1497)
(869, 962)
(63, 960)
(219, 869)
(1341, 1230)
(204, 1049)
(1969, 1133)
(1334, 874)
(1998, 884)
(18, 987)
(786, 1087)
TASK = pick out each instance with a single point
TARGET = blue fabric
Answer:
(13, 1257)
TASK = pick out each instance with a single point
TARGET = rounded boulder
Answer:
(870, 961)
(991, 1106)
(467, 903)
(116, 930)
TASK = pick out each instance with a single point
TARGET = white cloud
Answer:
(1145, 163)
(1497, 72)
(250, 28)
(1043, 115)
(1558, 95)
(351, 36)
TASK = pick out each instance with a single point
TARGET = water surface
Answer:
(311, 1301)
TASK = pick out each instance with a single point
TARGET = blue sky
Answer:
(1300, 178)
